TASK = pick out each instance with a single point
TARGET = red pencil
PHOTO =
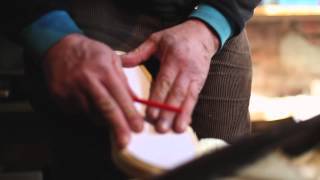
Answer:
(158, 105)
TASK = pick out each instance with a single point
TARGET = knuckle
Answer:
(170, 40)
(131, 113)
(106, 107)
(178, 93)
(153, 37)
(162, 86)
(165, 77)
(180, 55)
(182, 50)
(194, 95)
(119, 129)
(116, 62)
(80, 74)
(100, 56)
(158, 93)
(195, 91)
(81, 78)
(164, 82)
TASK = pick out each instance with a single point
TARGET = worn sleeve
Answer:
(226, 19)
(238, 12)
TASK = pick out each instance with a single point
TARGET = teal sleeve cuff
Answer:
(48, 30)
(215, 20)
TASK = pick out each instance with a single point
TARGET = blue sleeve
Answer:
(215, 20)
(48, 30)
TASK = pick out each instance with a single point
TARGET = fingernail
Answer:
(152, 114)
(124, 140)
(165, 125)
(138, 123)
(182, 126)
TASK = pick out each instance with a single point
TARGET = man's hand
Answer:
(87, 74)
(184, 52)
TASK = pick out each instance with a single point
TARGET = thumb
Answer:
(141, 53)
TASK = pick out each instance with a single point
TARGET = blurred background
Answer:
(285, 43)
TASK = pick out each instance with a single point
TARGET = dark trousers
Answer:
(79, 149)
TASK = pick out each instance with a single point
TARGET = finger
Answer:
(142, 53)
(120, 92)
(160, 88)
(176, 96)
(123, 76)
(124, 79)
(110, 111)
(185, 117)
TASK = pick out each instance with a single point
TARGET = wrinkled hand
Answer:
(184, 52)
(87, 74)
